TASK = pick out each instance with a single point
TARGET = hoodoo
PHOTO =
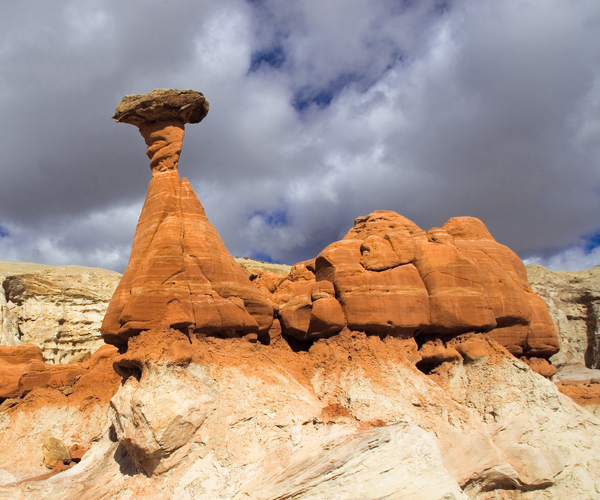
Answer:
(387, 368)
(180, 275)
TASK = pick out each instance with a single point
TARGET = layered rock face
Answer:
(59, 309)
(68, 402)
(389, 277)
(179, 274)
(573, 299)
(22, 369)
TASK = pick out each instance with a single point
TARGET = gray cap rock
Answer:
(187, 106)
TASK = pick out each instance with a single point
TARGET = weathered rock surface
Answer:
(179, 274)
(392, 278)
(55, 451)
(573, 299)
(254, 268)
(581, 384)
(59, 309)
(73, 410)
(162, 105)
(351, 418)
(25, 371)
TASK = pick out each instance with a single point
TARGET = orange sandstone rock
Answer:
(20, 354)
(392, 278)
(91, 380)
(541, 366)
(457, 301)
(523, 322)
(40, 374)
(391, 302)
(378, 254)
(587, 396)
(180, 274)
(313, 312)
(13, 362)
(380, 223)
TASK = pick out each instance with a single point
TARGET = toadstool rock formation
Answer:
(180, 274)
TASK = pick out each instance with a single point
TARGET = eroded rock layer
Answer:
(60, 309)
(573, 299)
(352, 417)
(406, 388)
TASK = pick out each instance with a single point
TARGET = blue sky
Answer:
(320, 112)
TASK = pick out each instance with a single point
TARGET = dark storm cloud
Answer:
(320, 112)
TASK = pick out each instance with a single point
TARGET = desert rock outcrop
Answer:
(179, 274)
(350, 418)
(573, 299)
(22, 370)
(392, 278)
(60, 309)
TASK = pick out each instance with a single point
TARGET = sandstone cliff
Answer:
(573, 299)
(59, 309)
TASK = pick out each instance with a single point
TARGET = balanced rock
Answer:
(160, 105)
(180, 274)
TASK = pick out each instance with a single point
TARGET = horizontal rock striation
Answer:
(573, 299)
(60, 309)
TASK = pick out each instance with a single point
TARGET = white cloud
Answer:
(571, 259)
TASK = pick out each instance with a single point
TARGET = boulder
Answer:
(161, 105)
(313, 312)
(55, 451)
(393, 278)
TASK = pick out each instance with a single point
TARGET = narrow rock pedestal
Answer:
(180, 275)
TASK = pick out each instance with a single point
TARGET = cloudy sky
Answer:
(320, 112)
